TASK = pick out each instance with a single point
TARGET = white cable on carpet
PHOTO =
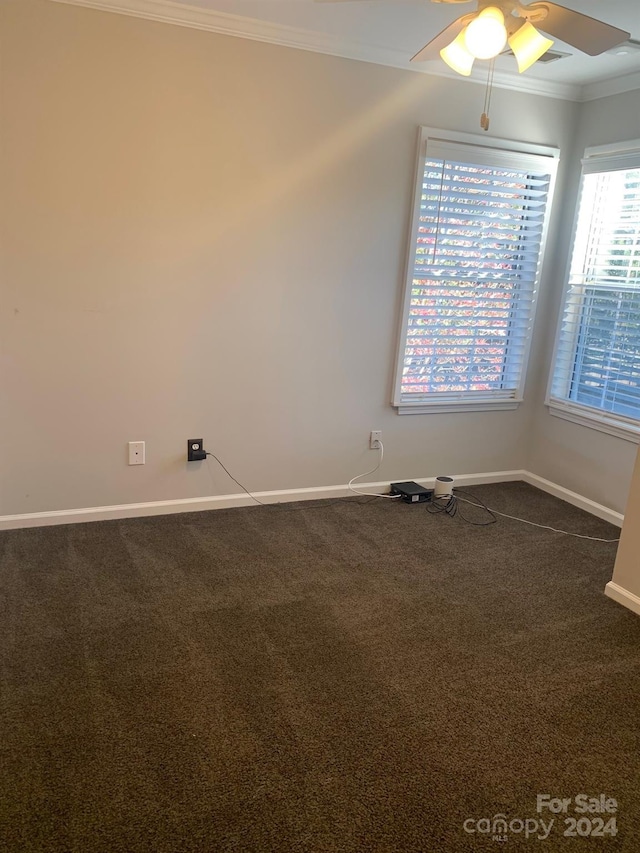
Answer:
(534, 524)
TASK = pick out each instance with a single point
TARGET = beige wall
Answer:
(592, 463)
(626, 573)
(205, 236)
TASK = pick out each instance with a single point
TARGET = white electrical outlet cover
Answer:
(136, 453)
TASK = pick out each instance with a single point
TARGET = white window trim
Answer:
(594, 158)
(443, 406)
(594, 419)
(453, 406)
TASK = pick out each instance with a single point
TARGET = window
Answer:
(476, 242)
(596, 374)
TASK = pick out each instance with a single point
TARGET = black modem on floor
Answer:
(411, 492)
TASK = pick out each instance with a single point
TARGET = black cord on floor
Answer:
(493, 518)
(451, 506)
(436, 506)
(280, 506)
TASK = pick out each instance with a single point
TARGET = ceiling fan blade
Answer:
(578, 30)
(433, 48)
(360, 1)
(393, 1)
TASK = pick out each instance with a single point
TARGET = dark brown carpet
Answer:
(349, 678)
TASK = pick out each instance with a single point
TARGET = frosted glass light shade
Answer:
(457, 56)
(486, 35)
(528, 45)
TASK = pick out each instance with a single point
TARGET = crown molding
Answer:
(195, 17)
(611, 86)
(505, 80)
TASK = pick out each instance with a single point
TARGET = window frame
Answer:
(624, 154)
(468, 401)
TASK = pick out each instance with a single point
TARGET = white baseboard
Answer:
(623, 596)
(574, 498)
(135, 510)
(478, 479)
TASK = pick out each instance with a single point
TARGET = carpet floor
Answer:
(346, 676)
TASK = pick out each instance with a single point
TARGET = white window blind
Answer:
(477, 238)
(596, 374)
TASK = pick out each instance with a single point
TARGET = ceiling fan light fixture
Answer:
(528, 45)
(486, 35)
(457, 56)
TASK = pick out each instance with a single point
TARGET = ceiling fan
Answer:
(483, 34)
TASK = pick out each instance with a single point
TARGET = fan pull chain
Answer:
(484, 118)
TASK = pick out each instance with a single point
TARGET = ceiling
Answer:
(389, 32)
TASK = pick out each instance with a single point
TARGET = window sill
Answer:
(595, 420)
(422, 408)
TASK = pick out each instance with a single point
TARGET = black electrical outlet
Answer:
(195, 450)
